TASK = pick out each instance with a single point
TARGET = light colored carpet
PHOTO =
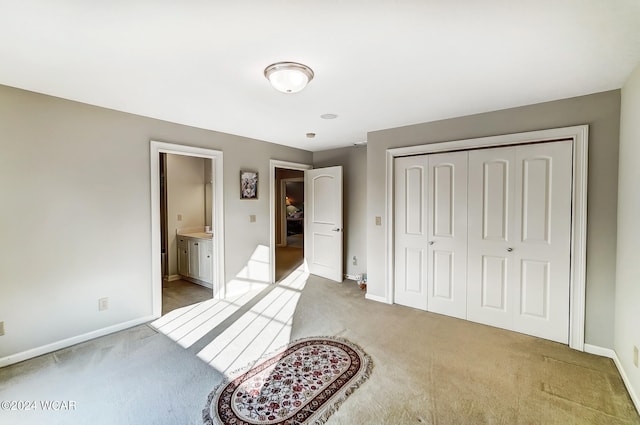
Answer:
(430, 369)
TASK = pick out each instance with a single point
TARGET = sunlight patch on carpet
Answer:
(262, 329)
(187, 325)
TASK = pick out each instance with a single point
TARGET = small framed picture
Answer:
(248, 185)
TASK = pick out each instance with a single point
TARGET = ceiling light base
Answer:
(288, 77)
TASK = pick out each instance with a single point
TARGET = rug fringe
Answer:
(348, 391)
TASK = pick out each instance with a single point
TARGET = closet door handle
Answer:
(431, 242)
(509, 249)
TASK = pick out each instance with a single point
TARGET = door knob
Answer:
(509, 249)
(337, 229)
(431, 242)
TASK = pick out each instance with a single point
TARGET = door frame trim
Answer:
(219, 282)
(273, 164)
(577, 281)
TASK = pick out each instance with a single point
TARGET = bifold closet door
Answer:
(430, 232)
(410, 212)
(543, 222)
(491, 234)
(519, 238)
(447, 234)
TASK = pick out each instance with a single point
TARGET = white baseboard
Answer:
(198, 282)
(173, 277)
(58, 345)
(376, 298)
(607, 352)
(600, 351)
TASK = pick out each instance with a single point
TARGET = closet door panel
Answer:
(542, 252)
(495, 196)
(447, 234)
(490, 276)
(410, 231)
(494, 283)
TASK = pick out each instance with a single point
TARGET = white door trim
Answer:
(219, 282)
(579, 135)
(273, 164)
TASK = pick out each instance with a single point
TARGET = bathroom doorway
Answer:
(186, 217)
(187, 210)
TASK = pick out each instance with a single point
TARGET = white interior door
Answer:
(519, 238)
(543, 222)
(323, 222)
(491, 234)
(410, 232)
(447, 234)
(431, 232)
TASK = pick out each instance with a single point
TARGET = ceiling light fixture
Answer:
(288, 77)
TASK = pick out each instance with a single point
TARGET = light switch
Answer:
(103, 304)
(179, 217)
(252, 218)
(378, 221)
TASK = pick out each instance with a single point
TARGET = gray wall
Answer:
(354, 167)
(601, 111)
(75, 216)
(627, 331)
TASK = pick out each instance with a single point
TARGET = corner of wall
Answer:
(627, 291)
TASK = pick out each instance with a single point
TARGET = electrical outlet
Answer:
(378, 221)
(355, 260)
(635, 356)
(103, 304)
(1, 328)
(252, 218)
(179, 217)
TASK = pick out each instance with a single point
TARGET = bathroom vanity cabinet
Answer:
(195, 258)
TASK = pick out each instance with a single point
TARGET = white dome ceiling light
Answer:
(288, 77)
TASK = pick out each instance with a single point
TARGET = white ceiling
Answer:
(378, 63)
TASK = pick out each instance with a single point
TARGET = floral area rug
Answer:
(304, 383)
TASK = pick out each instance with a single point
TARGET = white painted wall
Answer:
(75, 220)
(185, 197)
(601, 111)
(627, 317)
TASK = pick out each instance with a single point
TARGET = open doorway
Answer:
(186, 196)
(187, 238)
(289, 221)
